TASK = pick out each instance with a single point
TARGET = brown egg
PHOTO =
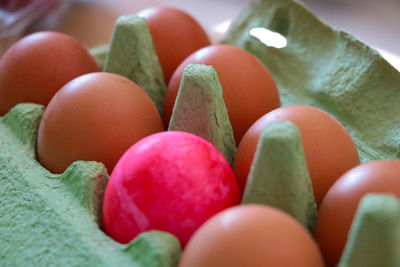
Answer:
(96, 116)
(249, 90)
(340, 204)
(37, 66)
(168, 28)
(251, 235)
(329, 149)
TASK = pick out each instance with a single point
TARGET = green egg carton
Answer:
(48, 219)
(328, 69)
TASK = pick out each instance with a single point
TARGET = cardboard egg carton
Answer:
(48, 219)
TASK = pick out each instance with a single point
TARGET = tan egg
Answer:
(329, 149)
(96, 116)
(249, 90)
(38, 65)
(340, 204)
(251, 235)
(168, 28)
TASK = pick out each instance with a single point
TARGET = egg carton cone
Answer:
(374, 237)
(49, 219)
(132, 55)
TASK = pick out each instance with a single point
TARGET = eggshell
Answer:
(175, 34)
(96, 116)
(171, 181)
(38, 65)
(330, 151)
(339, 206)
(251, 235)
(249, 91)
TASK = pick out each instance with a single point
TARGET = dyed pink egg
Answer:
(169, 181)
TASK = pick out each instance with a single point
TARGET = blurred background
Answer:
(376, 23)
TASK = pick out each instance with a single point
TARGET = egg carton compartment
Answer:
(51, 219)
(55, 219)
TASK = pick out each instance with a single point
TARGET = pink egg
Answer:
(169, 181)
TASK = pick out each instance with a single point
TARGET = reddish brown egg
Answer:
(37, 66)
(339, 206)
(175, 34)
(249, 91)
(328, 147)
(96, 116)
(251, 235)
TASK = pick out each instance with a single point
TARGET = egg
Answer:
(171, 181)
(96, 116)
(249, 91)
(329, 149)
(175, 35)
(339, 206)
(38, 65)
(251, 235)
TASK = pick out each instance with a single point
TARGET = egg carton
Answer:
(49, 219)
